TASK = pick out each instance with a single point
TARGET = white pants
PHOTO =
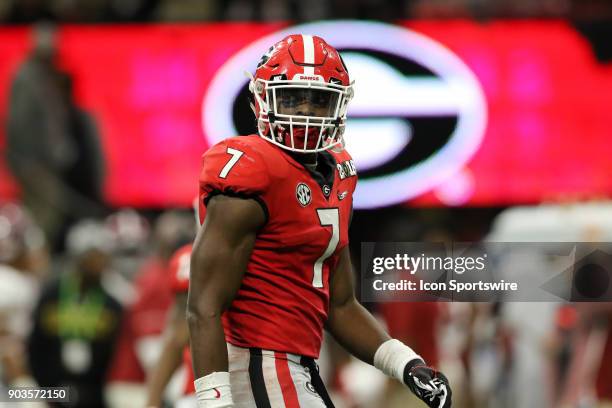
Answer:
(269, 379)
(187, 401)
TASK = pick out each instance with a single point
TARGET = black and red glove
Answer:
(429, 385)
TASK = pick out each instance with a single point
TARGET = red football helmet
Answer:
(301, 90)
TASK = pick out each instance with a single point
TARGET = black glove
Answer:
(429, 385)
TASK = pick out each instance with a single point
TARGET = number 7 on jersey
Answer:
(328, 217)
(236, 154)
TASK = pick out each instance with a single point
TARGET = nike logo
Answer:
(342, 195)
(218, 395)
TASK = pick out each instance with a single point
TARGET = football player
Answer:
(175, 346)
(270, 266)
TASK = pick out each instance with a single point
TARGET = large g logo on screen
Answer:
(418, 114)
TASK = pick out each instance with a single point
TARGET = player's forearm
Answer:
(208, 346)
(205, 306)
(356, 330)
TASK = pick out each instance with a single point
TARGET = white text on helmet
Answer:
(302, 77)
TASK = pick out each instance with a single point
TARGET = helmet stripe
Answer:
(309, 52)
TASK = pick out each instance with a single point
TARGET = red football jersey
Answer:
(283, 301)
(179, 282)
(179, 269)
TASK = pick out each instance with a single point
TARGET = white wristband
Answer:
(214, 391)
(392, 356)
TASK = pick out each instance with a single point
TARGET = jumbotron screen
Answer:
(445, 113)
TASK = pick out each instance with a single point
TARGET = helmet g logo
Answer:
(417, 117)
(303, 194)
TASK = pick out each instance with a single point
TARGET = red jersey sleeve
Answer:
(179, 269)
(235, 168)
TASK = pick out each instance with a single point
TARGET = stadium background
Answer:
(113, 128)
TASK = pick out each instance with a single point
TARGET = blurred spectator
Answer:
(140, 342)
(19, 238)
(14, 370)
(22, 260)
(52, 145)
(20, 243)
(131, 234)
(586, 379)
(76, 321)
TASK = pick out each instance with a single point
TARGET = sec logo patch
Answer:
(303, 194)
